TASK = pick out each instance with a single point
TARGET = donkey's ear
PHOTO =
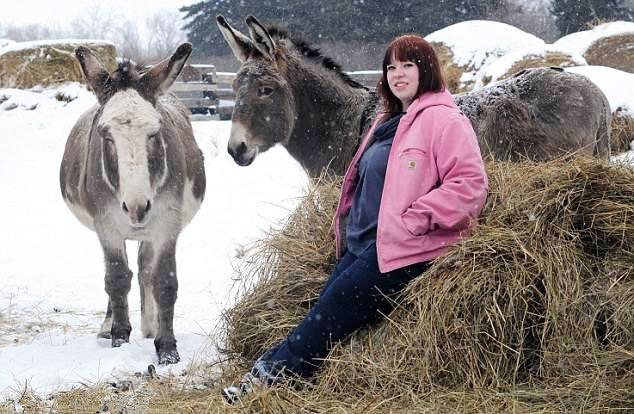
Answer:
(239, 43)
(96, 75)
(261, 38)
(158, 79)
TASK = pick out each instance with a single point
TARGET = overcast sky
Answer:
(60, 12)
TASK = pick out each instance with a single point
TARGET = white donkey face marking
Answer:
(240, 146)
(133, 161)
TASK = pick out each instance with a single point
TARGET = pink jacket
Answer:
(435, 184)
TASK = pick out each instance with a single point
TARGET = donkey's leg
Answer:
(118, 280)
(165, 291)
(106, 325)
(147, 277)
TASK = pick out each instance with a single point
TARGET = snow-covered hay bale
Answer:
(532, 57)
(622, 131)
(190, 74)
(609, 44)
(541, 292)
(27, 64)
(617, 86)
(5, 42)
(463, 48)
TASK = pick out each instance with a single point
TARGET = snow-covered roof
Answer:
(617, 85)
(16, 46)
(579, 42)
(473, 41)
(496, 69)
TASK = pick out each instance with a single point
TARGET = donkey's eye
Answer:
(264, 91)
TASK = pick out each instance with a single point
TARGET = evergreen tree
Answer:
(574, 15)
(352, 20)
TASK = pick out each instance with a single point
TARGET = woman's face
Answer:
(402, 77)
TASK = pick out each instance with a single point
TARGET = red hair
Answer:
(412, 48)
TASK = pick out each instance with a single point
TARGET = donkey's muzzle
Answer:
(137, 213)
(241, 155)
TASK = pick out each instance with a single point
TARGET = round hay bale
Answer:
(190, 74)
(461, 54)
(533, 57)
(616, 51)
(609, 44)
(27, 64)
(542, 289)
(622, 131)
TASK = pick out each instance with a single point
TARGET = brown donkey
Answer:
(132, 171)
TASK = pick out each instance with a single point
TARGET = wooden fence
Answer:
(214, 95)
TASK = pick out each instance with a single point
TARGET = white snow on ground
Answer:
(52, 298)
(498, 67)
(579, 42)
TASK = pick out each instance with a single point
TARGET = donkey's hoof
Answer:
(104, 334)
(168, 357)
(117, 342)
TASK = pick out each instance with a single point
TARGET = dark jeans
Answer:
(355, 295)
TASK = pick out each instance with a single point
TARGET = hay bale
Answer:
(27, 64)
(609, 44)
(190, 74)
(283, 277)
(540, 56)
(621, 131)
(462, 55)
(541, 291)
(616, 51)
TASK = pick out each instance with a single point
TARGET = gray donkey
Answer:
(132, 171)
(287, 92)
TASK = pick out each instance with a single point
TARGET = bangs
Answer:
(406, 48)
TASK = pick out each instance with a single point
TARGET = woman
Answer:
(414, 187)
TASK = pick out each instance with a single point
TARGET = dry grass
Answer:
(48, 65)
(84, 400)
(615, 51)
(537, 302)
(621, 131)
(451, 71)
(304, 251)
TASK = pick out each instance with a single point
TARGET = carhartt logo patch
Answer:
(411, 164)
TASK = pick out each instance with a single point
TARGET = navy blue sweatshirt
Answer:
(364, 213)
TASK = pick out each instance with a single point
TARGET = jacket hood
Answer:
(442, 98)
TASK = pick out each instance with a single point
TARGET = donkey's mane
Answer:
(312, 53)
(126, 75)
